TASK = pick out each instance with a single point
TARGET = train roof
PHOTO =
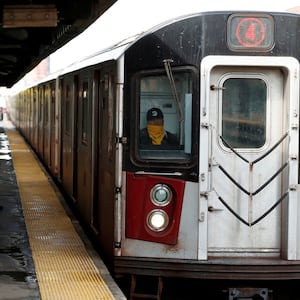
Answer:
(90, 57)
(115, 51)
(108, 54)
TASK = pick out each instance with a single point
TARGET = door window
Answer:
(243, 117)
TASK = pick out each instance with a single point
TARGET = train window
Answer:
(46, 97)
(244, 104)
(41, 105)
(165, 116)
(68, 111)
(67, 118)
(85, 105)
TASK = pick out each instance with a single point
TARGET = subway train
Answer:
(180, 149)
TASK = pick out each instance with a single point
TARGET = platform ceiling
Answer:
(30, 30)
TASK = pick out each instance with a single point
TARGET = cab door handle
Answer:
(212, 209)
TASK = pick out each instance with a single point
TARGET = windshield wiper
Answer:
(167, 64)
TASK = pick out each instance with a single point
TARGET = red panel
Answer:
(138, 205)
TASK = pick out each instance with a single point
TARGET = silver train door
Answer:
(248, 166)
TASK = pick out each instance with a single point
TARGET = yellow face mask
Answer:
(156, 133)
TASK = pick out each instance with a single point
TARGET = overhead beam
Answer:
(29, 16)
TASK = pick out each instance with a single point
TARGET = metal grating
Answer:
(63, 266)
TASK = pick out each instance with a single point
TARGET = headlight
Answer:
(161, 195)
(157, 220)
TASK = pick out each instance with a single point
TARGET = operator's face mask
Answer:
(156, 133)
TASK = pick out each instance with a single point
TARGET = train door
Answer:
(68, 155)
(46, 133)
(30, 116)
(27, 112)
(249, 165)
(35, 118)
(104, 204)
(53, 141)
(84, 145)
(41, 120)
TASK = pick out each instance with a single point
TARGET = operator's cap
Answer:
(154, 113)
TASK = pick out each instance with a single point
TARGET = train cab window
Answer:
(165, 116)
(244, 104)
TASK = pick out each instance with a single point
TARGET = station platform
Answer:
(43, 252)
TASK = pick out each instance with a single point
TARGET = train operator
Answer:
(154, 133)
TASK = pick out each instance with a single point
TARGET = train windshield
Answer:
(165, 116)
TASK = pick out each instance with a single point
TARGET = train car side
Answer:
(88, 152)
(87, 147)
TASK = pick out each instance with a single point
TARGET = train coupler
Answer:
(249, 293)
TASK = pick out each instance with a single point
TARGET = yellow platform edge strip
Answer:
(63, 266)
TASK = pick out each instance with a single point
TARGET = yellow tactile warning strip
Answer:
(63, 267)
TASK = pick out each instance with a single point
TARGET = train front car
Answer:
(211, 151)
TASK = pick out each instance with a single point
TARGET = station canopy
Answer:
(30, 30)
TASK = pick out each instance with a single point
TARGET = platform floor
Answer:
(43, 255)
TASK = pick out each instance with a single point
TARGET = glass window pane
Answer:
(244, 105)
(85, 106)
(67, 111)
(164, 122)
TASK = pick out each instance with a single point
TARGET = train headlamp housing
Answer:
(161, 195)
(153, 208)
(157, 220)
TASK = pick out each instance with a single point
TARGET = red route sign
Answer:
(250, 32)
